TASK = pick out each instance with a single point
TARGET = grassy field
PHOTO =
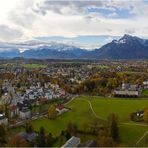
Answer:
(34, 66)
(77, 114)
(81, 114)
(122, 107)
(145, 92)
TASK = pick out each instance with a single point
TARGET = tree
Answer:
(145, 117)
(7, 111)
(75, 129)
(52, 113)
(104, 140)
(113, 126)
(95, 126)
(41, 138)
(67, 135)
(17, 141)
(29, 127)
(50, 140)
(2, 134)
(72, 128)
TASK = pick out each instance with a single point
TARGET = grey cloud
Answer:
(57, 6)
(130, 31)
(7, 33)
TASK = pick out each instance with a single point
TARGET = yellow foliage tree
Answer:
(52, 113)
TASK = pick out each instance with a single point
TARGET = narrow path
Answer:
(99, 117)
(89, 102)
(94, 113)
(134, 124)
(70, 100)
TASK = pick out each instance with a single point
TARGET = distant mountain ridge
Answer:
(127, 47)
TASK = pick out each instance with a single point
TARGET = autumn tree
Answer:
(104, 139)
(72, 128)
(17, 141)
(145, 117)
(29, 127)
(52, 113)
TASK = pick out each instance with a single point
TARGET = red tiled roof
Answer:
(13, 107)
(60, 107)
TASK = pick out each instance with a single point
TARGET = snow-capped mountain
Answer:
(127, 47)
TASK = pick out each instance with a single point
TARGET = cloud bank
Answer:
(27, 19)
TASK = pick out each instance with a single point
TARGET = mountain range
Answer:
(127, 47)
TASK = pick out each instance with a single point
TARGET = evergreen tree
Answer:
(113, 126)
(41, 138)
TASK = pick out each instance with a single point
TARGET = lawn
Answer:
(34, 65)
(145, 92)
(122, 107)
(81, 114)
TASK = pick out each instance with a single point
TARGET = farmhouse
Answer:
(61, 109)
(128, 90)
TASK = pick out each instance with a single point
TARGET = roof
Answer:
(72, 142)
(60, 107)
(90, 143)
(2, 116)
(13, 107)
(28, 136)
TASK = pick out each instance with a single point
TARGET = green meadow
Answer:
(81, 113)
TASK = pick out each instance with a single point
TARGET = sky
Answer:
(86, 23)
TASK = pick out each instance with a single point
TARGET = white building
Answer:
(3, 119)
(25, 114)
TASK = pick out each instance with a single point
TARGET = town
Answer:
(38, 90)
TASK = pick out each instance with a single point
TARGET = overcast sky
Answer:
(28, 19)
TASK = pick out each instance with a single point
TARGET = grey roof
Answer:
(28, 136)
(72, 142)
(90, 143)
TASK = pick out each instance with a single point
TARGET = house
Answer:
(5, 99)
(61, 109)
(137, 116)
(48, 95)
(145, 84)
(72, 142)
(3, 119)
(128, 90)
(28, 136)
(25, 113)
(31, 95)
(14, 110)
